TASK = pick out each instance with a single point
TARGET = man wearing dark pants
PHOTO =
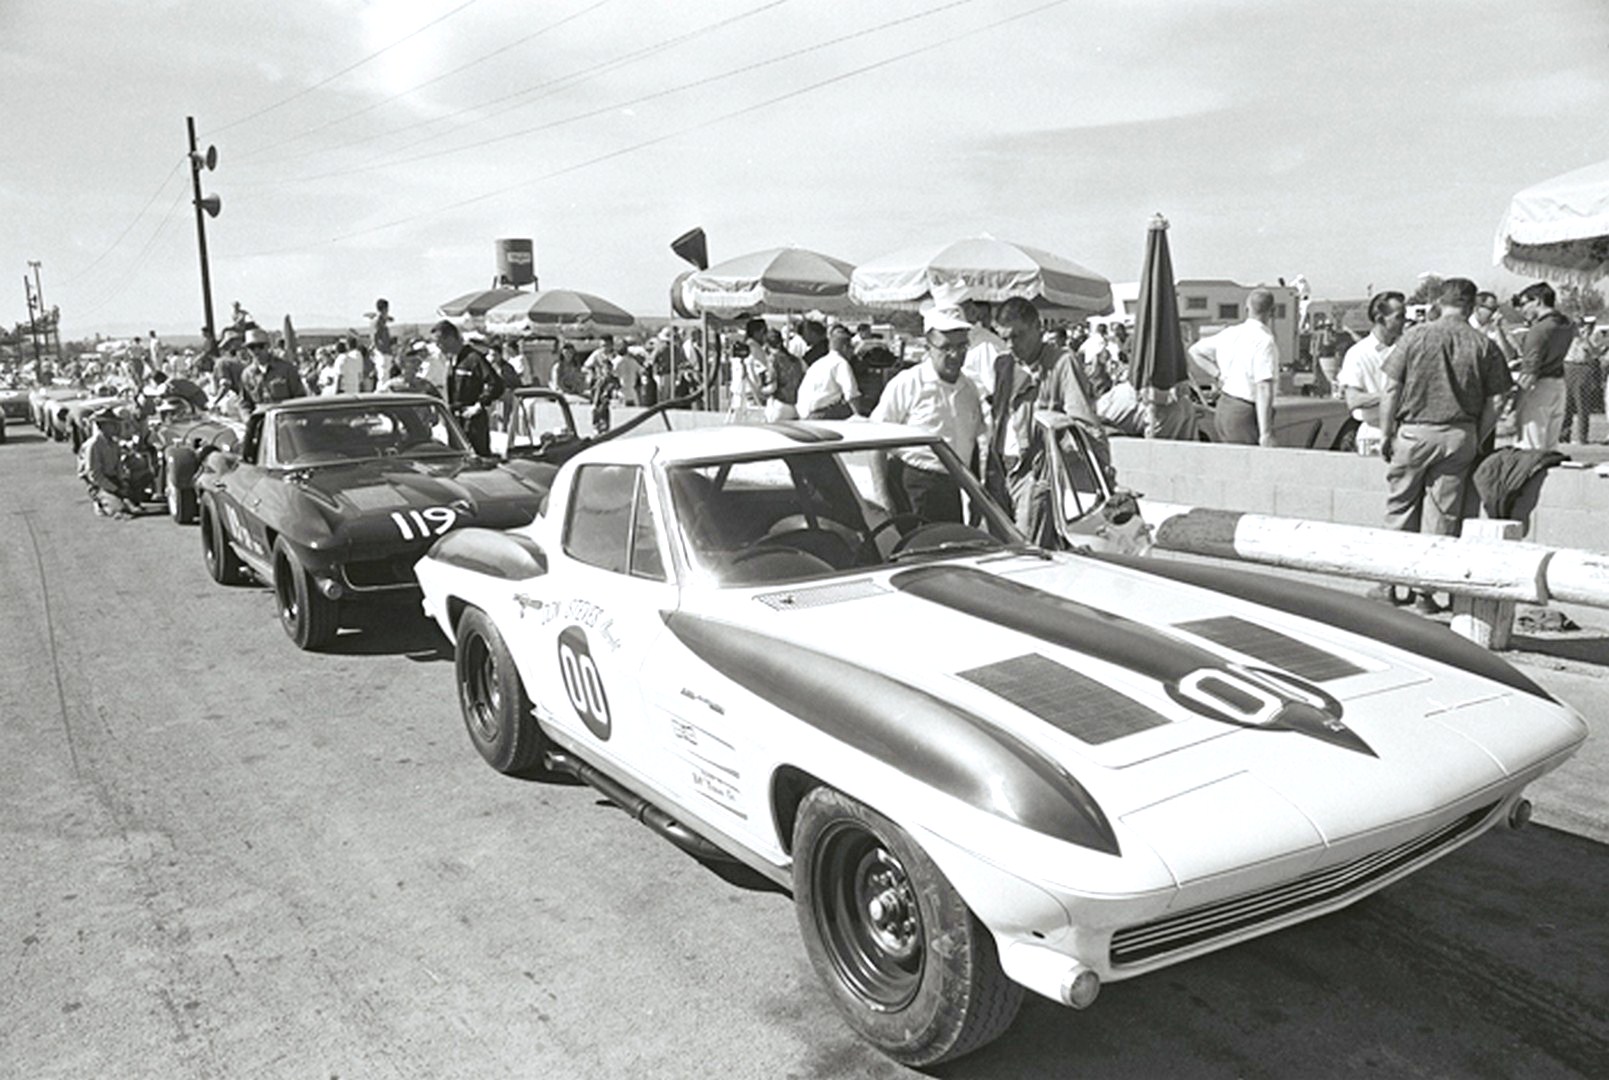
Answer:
(1246, 358)
(473, 386)
(1444, 384)
(934, 397)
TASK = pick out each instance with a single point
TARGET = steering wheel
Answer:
(869, 550)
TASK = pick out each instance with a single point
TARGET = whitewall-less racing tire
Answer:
(907, 963)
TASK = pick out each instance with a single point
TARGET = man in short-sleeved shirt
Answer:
(1444, 383)
(935, 397)
(828, 390)
(1539, 408)
(1362, 376)
(1246, 357)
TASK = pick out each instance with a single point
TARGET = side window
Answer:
(645, 560)
(599, 523)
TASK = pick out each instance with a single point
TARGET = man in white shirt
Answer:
(828, 390)
(934, 397)
(346, 373)
(983, 345)
(1362, 374)
(628, 369)
(1093, 350)
(1246, 358)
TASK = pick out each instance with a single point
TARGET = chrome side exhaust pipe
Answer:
(1519, 815)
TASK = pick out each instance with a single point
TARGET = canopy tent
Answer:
(476, 304)
(558, 309)
(1559, 229)
(983, 268)
(773, 280)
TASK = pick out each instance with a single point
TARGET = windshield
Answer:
(813, 513)
(362, 431)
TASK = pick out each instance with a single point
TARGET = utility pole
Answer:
(33, 327)
(44, 313)
(205, 207)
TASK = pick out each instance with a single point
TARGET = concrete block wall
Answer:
(1318, 485)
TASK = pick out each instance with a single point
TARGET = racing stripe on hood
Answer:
(909, 729)
(1193, 677)
(1058, 620)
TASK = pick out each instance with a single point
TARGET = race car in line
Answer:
(332, 499)
(981, 767)
(181, 437)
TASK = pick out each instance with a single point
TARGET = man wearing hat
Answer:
(100, 464)
(267, 378)
(408, 380)
(473, 386)
(934, 397)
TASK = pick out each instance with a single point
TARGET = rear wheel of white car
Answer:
(907, 963)
(310, 618)
(497, 711)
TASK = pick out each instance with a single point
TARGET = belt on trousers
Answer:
(1436, 423)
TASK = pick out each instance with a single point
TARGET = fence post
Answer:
(1488, 623)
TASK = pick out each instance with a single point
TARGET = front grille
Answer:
(1135, 944)
(392, 573)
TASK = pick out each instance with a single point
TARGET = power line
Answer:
(617, 106)
(658, 139)
(431, 81)
(139, 259)
(344, 71)
(127, 228)
(552, 86)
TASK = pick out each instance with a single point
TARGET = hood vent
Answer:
(1272, 648)
(813, 596)
(1089, 711)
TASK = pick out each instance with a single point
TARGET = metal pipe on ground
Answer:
(1477, 568)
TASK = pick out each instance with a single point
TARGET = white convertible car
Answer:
(979, 766)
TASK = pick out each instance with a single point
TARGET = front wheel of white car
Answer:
(497, 711)
(907, 963)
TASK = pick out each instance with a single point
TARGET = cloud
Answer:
(1540, 96)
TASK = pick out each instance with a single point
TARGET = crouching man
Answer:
(100, 466)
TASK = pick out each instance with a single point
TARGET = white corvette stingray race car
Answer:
(979, 766)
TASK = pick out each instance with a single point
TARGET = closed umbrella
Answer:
(985, 269)
(776, 279)
(1559, 229)
(1159, 359)
(567, 308)
(476, 304)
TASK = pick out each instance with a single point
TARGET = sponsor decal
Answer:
(582, 683)
(582, 613)
(239, 533)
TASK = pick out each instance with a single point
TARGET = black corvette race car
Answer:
(332, 499)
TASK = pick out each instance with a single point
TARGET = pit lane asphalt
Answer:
(220, 857)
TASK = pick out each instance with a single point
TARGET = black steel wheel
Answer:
(223, 565)
(497, 711)
(907, 963)
(308, 617)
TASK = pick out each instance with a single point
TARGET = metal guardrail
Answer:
(1486, 571)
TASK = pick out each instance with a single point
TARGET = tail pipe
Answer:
(637, 807)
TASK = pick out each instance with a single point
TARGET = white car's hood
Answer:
(1324, 733)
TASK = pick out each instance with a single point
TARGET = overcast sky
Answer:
(379, 147)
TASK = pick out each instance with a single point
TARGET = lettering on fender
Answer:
(583, 613)
(237, 530)
(582, 683)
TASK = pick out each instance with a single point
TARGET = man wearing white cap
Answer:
(934, 397)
